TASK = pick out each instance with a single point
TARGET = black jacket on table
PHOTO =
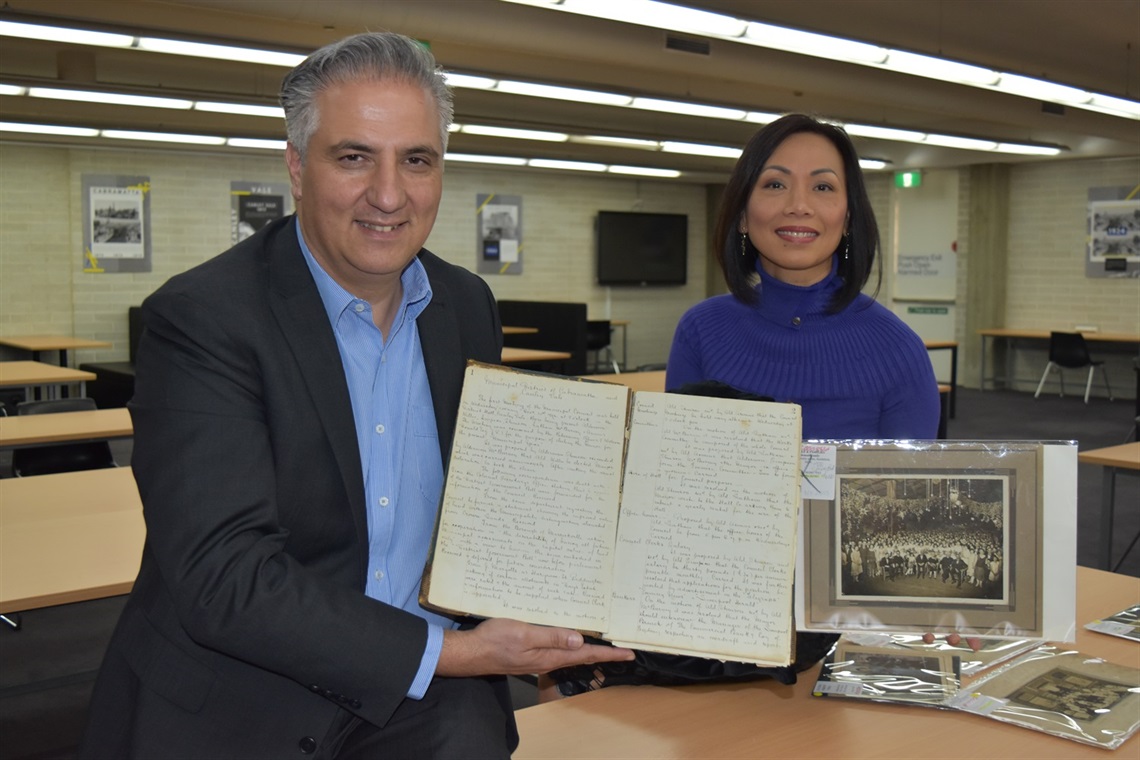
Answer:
(248, 630)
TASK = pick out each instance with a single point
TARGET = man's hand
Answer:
(508, 647)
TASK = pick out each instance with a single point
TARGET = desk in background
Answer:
(527, 355)
(1124, 458)
(64, 427)
(36, 344)
(1013, 335)
(952, 347)
(68, 537)
(768, 719)
(28, 375)
(638, 381)
(519, 330)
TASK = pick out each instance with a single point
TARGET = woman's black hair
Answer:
(861, 240)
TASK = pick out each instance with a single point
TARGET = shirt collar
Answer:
(417, 288)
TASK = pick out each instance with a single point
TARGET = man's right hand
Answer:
(509, 647)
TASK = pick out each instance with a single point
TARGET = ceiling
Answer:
(1093, 44)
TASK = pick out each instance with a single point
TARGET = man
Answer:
(295, 398)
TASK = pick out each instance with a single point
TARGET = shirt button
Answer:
(378, 575)
(358, 307)
(380, 429)
(383, 501)
(796, 321)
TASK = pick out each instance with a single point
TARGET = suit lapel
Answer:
(299, 311)
(439, 340)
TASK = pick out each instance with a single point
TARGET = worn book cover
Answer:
(662, 522)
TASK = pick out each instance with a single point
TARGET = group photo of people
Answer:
(923, 537)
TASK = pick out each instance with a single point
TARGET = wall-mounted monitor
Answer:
(637, 248)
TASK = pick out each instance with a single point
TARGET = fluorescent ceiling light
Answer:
(1042, 90)
(617, 142)
(467, 81)
(810, 43)
(223, 52)
(760, 117)
(1114, 106)
(965, 143)
(123, 134)
(48, 129)
(688, 109)
(114, 98)
(883, 133)
(577, 166)
(63, 34)
(1027, 150)
(696, 149)
(477, 159)
(11, 89)
(563, 93)
(248, 142)
(872, 163)
(642, 171)
(656, 14)
(242, 109)
(514, 134)
(940, 68)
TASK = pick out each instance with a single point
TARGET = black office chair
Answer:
(1069, 351)
(598, 335)
(64, 457)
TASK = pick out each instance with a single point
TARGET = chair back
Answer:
(597, 334)
(64, 457)
(1069, 350)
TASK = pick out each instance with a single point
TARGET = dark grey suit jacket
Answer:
(248, 632)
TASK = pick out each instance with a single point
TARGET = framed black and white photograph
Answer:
(943, 537)
(890, 674)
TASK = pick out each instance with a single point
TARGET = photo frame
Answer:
(943, 537)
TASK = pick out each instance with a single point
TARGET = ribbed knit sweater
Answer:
(861, 373)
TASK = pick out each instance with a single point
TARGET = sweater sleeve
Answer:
(684, 357)
(913, 410)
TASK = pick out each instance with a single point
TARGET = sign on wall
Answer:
(116, 214)
(498, 230)
(255, 204)
(1113, 234)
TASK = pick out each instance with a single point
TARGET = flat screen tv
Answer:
(637, 248)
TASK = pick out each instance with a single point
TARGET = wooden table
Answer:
(952, 347)
(523, 355)
(518, 330)
(638, 381)
(1012, 335)
(31, 374)
(64, 427)
(764, 719)
(60, 343)
(1124, 458)
(68, 537)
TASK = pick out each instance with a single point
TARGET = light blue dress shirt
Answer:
(398, 440)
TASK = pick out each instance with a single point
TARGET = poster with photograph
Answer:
(943, 536)
(498, 229)
(116, 235)
(1112, 234)
(255, 204)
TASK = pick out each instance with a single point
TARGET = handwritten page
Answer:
(705, 553)
(530, 507)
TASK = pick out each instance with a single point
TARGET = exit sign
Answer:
(908, 179)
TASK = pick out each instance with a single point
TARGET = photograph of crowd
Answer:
(1078, 696)
(923, 538)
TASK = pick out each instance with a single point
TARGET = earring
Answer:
(743, 243)
(846, 246)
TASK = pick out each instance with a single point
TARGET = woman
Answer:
(796, 239)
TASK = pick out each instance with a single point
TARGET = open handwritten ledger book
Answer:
(662, 522)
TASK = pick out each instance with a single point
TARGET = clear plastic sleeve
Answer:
(1061, 692)
(1125, 624)
(889, 674)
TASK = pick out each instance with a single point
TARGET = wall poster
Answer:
(116, 229)
(498, 233)
(1113, 234)
(255, 204)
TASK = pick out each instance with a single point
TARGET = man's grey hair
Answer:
(372, 56)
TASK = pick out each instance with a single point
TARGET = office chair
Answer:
(1069, 351)
(64, 457)
(598, 334)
